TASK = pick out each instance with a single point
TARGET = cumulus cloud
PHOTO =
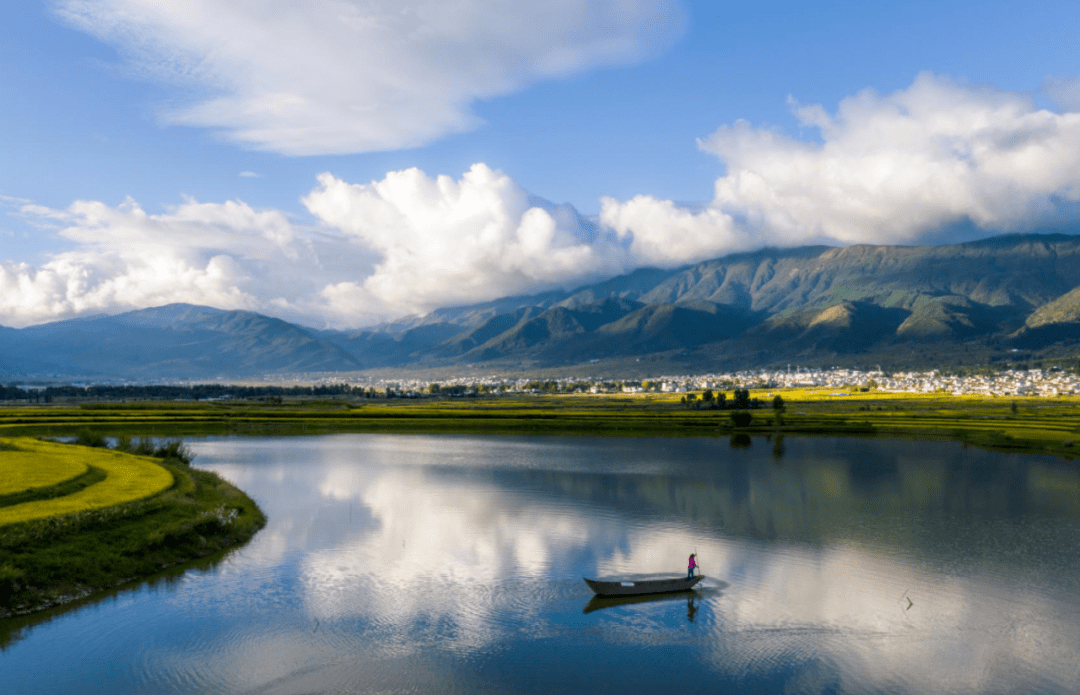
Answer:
(227, 255)
(338, 76)
(660, 232)
(408, 243)
(444, 241)
(893, 168)
(885, 169)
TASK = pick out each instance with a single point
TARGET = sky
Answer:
(343, 162)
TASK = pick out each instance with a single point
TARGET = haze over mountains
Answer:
(917, 306)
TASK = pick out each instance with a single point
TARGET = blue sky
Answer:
(355, 161)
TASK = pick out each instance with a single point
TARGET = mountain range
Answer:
(905, 306)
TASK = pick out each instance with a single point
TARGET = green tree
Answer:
(779, 408)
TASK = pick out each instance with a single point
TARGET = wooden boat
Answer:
(631, 586)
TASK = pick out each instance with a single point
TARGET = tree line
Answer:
(194, 392)
(741, 400)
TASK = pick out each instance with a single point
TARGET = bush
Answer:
(174, 450)
(741, 418)
(143, 447)
(88, 438)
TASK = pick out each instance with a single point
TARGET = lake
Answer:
(454, 564)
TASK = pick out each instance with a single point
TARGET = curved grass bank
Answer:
(29, 465)
(53, 559)
(127, 478)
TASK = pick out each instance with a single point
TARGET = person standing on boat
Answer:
(691, 566)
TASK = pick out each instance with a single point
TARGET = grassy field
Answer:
(28, 467)
(127, 478)
(1045, 425)
(127, 517)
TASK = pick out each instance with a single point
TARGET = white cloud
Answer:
(444, 241)
(661, 233)
(337, 76)
(227, 255)
(408, 243)
(887, 169)
(250, 175)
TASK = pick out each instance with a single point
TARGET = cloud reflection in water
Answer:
(423, 561)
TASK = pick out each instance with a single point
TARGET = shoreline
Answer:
(59, 560)
(187, 521)
(1042, 425)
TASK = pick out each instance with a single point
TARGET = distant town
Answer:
(1027, 382)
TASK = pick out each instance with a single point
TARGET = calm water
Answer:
(437, 564)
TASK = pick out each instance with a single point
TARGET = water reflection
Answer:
(454, 564)
(713, 590)
(778, 447)
(740, 441)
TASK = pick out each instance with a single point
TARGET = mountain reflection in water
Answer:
(454, 564)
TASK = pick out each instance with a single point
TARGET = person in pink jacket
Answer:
(691, 566)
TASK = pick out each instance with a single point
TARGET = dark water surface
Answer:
(452, 564)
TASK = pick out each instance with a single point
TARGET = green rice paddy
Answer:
(26, 465)
(127, 478)
(1045, 425)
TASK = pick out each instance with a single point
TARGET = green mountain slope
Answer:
(1064, 309)
(906, 305)
(180, 341)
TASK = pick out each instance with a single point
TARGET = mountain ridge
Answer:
(982, 299)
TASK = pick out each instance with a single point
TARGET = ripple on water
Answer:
(460, 576)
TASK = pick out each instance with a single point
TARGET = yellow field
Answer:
(128, 478)
(25, 464)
